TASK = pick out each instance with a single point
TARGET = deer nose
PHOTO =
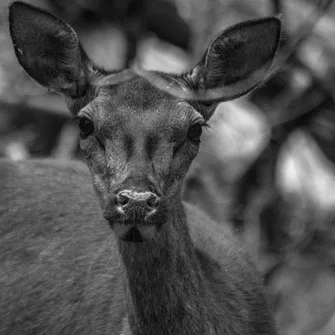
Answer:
(133, 199)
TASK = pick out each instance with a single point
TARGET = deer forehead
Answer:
(137, 105)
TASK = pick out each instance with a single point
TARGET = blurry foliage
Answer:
(267, 161)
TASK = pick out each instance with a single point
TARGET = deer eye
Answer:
(195, 132)
(86, 126)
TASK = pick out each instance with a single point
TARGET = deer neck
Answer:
(165, 289)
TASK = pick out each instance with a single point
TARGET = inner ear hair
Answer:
(48, 49)
(235, 62)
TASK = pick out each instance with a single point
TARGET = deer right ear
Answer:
(48, 49)
(235, 62)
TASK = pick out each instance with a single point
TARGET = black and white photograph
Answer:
(167, 167)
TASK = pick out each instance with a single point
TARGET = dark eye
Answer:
(86, 126)
(195, 132)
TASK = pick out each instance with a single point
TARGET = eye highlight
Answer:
(86, 126)
(194, 133)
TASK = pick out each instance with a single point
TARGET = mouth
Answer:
(134, 229)
(134, 232)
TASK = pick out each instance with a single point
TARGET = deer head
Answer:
(140, 130)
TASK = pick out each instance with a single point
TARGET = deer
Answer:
(126, 256)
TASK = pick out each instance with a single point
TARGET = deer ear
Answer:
(236, 61)
(48, 49)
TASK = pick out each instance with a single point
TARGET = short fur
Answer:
(62, 269)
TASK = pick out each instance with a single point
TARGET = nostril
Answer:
(133, 200)
(121, 199)
(153, 202)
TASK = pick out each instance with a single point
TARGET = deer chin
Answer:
(134, 226)
(135, 231)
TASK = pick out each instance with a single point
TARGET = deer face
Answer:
(139, 142)
(140, 130)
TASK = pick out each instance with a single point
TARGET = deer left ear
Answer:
(48, 49)
(236, 61)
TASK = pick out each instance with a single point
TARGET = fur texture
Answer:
(63, 271)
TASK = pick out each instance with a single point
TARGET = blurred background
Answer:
(266, 164)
